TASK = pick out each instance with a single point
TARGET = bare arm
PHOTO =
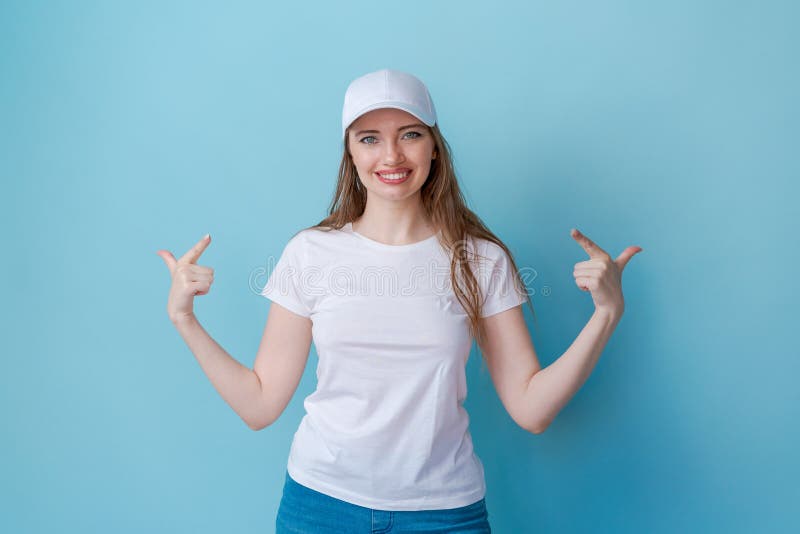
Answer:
(551, 388)
(534, 396)
(236, 383)
(257, 395)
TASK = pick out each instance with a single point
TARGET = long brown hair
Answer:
(447, 210)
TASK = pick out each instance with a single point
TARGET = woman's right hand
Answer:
(188, 280)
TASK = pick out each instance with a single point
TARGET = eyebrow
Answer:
(415, 125)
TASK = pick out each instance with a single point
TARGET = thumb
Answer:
(168, 258)
(623, 259)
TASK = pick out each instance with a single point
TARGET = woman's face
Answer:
(391, 139)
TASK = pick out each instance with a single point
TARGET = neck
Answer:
(394, 223)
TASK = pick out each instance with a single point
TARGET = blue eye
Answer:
(363, 139)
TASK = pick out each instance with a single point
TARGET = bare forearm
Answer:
(238, 385)
(551, 388)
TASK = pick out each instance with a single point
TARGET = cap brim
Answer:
(395, 105)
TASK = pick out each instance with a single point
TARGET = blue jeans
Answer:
(306, 511)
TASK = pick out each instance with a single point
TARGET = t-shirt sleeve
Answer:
(501, 292)
(285, 283)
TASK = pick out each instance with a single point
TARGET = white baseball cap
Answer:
(387, 88)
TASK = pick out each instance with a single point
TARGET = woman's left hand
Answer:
(601, 275)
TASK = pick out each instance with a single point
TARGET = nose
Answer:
(393, 153)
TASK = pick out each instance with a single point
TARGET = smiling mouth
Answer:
(394, 176)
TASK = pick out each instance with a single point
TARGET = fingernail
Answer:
(206, 236)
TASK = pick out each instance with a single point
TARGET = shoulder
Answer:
(319, 234)
(487, 250)
(316, 241)
(309, 233)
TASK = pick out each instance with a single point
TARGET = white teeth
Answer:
(395, 176)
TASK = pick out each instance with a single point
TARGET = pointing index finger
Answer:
(588, 245)
(194, 253)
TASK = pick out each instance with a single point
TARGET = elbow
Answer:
(537, 427)
(534, 425)
(258, 425)
(261, 420)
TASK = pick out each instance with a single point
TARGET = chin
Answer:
(401, 191)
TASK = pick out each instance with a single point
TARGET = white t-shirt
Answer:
(386, 427)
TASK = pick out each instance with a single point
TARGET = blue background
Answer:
(130, 127)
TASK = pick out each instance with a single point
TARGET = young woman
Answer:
(393, 285)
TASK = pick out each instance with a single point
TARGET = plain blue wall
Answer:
(129, 127)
